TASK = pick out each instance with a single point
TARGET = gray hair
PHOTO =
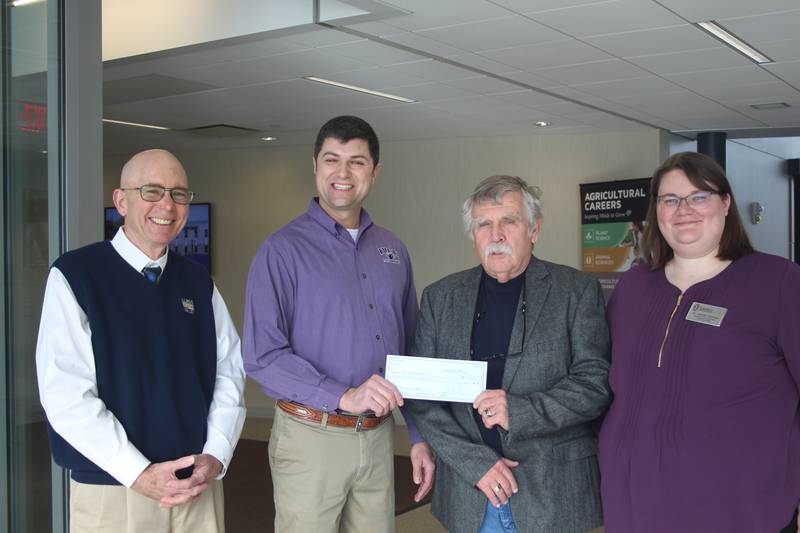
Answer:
(492, 190)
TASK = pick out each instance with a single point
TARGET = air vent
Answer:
(221, 130)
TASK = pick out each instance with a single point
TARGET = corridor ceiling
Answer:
(474, 68)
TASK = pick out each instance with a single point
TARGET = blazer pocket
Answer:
(573, 450)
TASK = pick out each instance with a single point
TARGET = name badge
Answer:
(711, 315)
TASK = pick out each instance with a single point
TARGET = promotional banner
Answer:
(612, 222)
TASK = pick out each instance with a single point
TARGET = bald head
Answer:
(151, 224)
(144, 167)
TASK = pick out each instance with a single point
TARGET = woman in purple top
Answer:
(704, 432)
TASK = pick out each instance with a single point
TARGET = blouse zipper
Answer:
(666, 333)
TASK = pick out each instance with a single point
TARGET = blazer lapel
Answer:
(537, 286)
(464, 313)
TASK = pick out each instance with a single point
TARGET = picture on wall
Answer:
(194, 240)
(612, 223)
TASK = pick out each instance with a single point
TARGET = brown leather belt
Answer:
(358, 422)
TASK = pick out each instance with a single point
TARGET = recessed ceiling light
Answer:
(542, 123)
(715, 30)
(773, 105)
(269, 139)
(360, 89)
(123, 123)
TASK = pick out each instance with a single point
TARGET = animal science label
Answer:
(605, 259)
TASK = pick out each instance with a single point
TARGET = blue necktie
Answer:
(151, 273)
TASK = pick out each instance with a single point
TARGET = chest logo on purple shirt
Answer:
(390, 255)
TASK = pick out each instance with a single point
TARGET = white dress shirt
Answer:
(68, 384)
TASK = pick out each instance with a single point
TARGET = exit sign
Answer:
(32, 118)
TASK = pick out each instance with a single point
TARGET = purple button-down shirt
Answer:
(322, 310)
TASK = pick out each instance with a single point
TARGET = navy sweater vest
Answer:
(155, 353)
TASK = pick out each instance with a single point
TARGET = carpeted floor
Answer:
(249, 507)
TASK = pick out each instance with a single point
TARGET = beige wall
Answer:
(418, 196)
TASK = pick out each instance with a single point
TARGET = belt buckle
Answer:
(360, 423)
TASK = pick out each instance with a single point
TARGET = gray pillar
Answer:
(712, 144)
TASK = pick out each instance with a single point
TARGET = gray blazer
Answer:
(557, 386)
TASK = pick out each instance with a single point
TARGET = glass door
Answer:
(30, 195)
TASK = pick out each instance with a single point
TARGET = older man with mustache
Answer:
(522, 457)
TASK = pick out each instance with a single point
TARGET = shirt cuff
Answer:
(128, 465)
(219, 449)
(327, 395)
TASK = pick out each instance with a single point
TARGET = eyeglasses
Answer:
(154, 193)
(697, 200)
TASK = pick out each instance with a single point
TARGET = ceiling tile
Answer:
(493, 34)
(471, 103)
(611, 69)
(618, 88)
(528, 98)
(252, 50)
(479, 62)
(696, 11)
(654, 41)
(669, 104)
(611, 17)
(722, 77)
(378, 29)
(564, 109)
(372, 52)
(432, 91)
(378, 78)
(788, 71)
(771, 27)
(552, 54)
(281, 67)
(424, 44)
(690, 61)
(170, 65)
(316, 38)
(483, 85)
(427, 14)
(433, 70)
(760, 93)
(779, 51)
(528, 6)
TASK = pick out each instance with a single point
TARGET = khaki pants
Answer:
(117, 509)
(331, 479)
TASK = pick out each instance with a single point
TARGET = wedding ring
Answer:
(488, 413)
(498, 487)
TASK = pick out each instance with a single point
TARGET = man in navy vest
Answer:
(140, 369)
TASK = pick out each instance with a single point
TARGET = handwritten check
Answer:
(444, 380)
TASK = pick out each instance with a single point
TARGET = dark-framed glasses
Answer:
(696, 200)
(154, 193)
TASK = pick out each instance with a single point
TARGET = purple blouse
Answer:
(710, 441)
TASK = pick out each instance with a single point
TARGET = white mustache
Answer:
(497, 248)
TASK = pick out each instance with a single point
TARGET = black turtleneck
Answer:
(491, 334)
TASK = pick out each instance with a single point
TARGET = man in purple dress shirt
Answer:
(328, 296)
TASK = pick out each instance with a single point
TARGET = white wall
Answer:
(418, 196)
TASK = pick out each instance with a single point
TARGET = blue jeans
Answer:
(498, 519)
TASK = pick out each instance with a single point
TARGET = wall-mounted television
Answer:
(194, 240)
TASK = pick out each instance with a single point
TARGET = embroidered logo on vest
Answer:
(390, 255)
(188, 305)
